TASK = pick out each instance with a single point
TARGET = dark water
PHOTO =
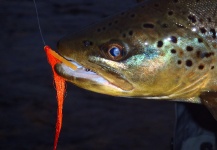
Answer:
(27, 97)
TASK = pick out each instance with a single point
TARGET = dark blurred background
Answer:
(27, 96)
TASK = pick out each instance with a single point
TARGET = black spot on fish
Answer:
(197, 1)
(212, 67)
(179, 62)
(175, 1)
(189, 63)
(192, 18)
(116, 22)
(201, 67)
(203, 30)
(131, 33)
(200, 40)
(104, 28)
(173, 51)
(189, 48)
(148, 25)
(173, 39)
(206, 54)
(159, 44)
(213, 33)
(170, 13)
(209, 54)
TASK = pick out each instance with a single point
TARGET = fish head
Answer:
(133, 54)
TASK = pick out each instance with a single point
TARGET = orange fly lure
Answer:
(54, 58)
(60, 83)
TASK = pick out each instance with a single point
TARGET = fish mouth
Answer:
(84, 77)
(81, 72)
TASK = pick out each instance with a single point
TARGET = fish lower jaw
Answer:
(82, 74)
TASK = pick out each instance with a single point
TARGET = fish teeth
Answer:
(88, 70)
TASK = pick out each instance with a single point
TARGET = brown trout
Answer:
(160, 49)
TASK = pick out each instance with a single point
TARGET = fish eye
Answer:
(113, 51)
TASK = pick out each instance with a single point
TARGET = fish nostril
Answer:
(87, 43)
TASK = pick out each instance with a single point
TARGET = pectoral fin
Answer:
(209, 99)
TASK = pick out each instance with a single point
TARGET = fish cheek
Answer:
(116, 79)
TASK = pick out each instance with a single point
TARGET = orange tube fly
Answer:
(54, 58)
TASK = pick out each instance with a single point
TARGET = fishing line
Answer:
(39, 26)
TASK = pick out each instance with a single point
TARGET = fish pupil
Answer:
(115, 52)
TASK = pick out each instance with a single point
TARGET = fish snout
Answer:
(66, 47)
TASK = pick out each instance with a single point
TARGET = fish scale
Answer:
(164, 49)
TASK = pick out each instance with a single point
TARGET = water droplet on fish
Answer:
(194, 29)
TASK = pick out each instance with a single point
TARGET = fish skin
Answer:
(169, 51)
